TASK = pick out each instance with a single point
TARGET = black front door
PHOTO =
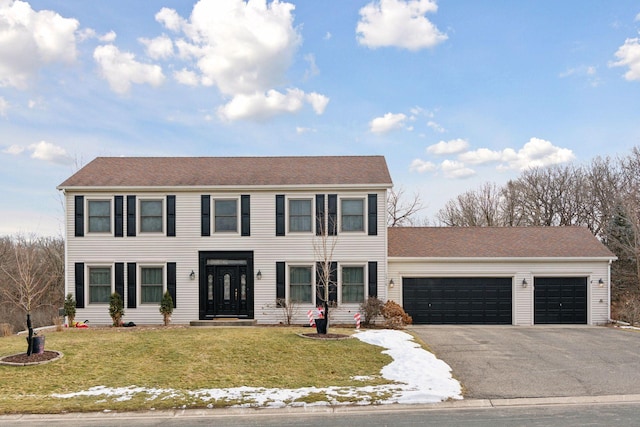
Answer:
(227, 291)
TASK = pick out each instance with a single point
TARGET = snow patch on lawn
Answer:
(420, 378)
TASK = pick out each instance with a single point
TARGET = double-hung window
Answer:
(226, 216)
(99, 216)
(151, 285)
(99, 284)
(352, 211)
(300, 215)
(300, 284)
(151, 216)
(352, 284)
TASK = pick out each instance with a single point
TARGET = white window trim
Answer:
(87, 282)
(365, 225)
(111, 216)
(213, 216)
(162, 200)
(313, 216)
(139, 283)
(365, 278)
(313, 283)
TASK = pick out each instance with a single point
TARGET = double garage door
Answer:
(488, 300)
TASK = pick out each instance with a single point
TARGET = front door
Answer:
(227, 291)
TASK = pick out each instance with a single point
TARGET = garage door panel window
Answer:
(352, 284)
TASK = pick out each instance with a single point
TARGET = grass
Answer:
(181, 359)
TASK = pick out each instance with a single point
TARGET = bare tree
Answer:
(32, 269)
(402, 211)
(324, 244)
(475, 208)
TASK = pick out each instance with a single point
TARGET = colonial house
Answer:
(240, 237)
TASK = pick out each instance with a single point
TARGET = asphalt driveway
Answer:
(516, 362)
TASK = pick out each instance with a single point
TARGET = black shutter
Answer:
(205, 215)
(131, 215)
(118, 208)
(333, 284)
(79, 216)
(332, 226)
(245, 215)
(120, 279)
(320, 225)
(79, 284)
(171, 281)
(373, 279)
(280, 282)
(372, 210)
(131, 285)
(279, 214)
(171, 216)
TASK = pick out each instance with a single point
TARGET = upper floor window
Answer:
(226, 215)
(352, 211)
(300, 215)
(352, 284)
(99, 216)
(151, 216)
(99, 284)
(300, 287)
(151, 285)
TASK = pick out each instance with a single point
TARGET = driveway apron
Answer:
(538, 361)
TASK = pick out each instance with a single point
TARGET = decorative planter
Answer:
(321, 326)
(38, 344)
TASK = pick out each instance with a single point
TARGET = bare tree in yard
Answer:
(32, 270)
(401, 211)
(602, 187)
(324, 244)
(474, 208)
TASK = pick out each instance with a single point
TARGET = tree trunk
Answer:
(30, 338)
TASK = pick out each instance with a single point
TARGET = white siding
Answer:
(598, 297)
(352, 248)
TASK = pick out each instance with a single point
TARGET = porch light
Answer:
(391, 284)
(192, 275)
(601, 283)
(259, 275)
(524, 283)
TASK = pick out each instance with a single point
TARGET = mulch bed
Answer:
(34, 359)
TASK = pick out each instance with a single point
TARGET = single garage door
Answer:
(458, 300)
(560, 300)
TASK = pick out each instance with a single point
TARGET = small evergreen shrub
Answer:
(70, 308)
(116, 309)
(166, 307)
(395, 316)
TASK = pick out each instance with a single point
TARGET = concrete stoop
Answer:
(224, 322)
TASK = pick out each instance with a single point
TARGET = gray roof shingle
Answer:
(495, 242)
(231, 171)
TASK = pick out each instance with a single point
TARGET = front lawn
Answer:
(176, 361)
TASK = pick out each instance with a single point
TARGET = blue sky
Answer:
(452, 93)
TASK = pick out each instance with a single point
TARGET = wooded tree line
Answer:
(31, 279)
(603, 195)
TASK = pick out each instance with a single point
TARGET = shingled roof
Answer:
(230, 171)
(495, 242)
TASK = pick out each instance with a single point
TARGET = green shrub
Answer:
(116, 309)
(70, 308)
(166, 307)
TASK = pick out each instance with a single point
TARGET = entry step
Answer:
(224, 322)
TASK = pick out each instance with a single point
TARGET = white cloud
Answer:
(456, 170)
(313, 69)
(328, 36)
(637, 18)
(535, 153)
(158, 48)
(121, 69)
(170, 19)
(398, 23)
(110, 37)
(186, 77)
(300, 130)
(4, 107)
(419, 165)
(318, 102)
(262, 106)
(45, 35)
(42, 151)
(448, 147)
(436, 126)
(629, 56)
(386, 123)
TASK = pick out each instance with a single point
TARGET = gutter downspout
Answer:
(609, 291)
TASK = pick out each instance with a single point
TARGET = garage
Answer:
(458, 300)
(560, 300)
